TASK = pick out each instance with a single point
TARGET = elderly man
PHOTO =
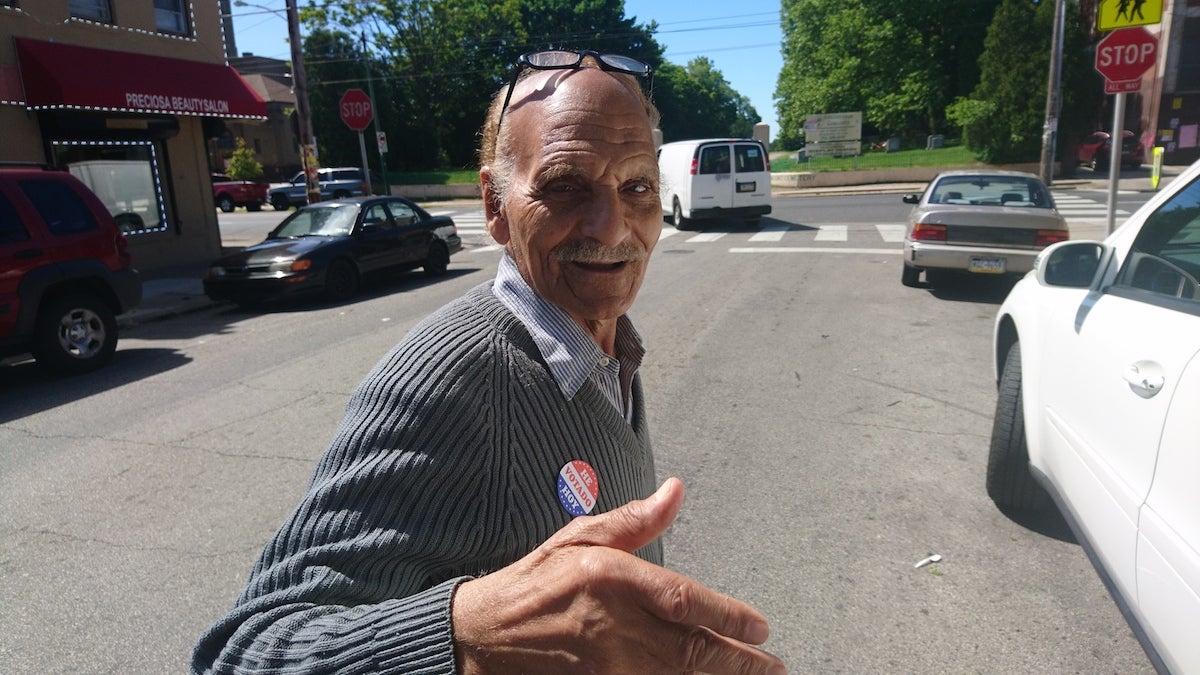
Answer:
(447, 527)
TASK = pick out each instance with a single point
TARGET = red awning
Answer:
(63, 76)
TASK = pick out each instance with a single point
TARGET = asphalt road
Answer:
(830, 424)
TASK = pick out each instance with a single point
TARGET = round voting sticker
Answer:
(578, 487)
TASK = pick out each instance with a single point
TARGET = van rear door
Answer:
(712, 186)
(751, 179)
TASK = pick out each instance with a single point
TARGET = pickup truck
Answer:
(335, 183)
(228, 194)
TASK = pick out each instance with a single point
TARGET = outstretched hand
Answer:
(582, 600)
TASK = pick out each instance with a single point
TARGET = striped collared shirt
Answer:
(572, 355)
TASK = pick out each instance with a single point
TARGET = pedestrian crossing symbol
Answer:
(1116, 14)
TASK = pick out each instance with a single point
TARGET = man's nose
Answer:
(606, 220)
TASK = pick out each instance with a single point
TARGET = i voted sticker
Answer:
(578, 487)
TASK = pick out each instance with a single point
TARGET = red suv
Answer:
(65, 271)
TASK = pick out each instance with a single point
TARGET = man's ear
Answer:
(493, 208)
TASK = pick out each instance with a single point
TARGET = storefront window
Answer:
(123, 175)
(170, 16)
(96, 10)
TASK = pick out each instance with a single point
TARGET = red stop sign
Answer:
(355, 109)
(1126, 53)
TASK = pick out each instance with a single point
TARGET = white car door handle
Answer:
(1144, 378)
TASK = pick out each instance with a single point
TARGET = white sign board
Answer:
(833, 134)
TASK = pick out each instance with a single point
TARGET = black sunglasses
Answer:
(569, 59)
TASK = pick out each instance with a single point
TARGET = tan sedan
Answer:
(982, 222)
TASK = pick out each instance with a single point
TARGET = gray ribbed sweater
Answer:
(444, 467)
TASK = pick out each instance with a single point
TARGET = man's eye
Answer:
(641, 188)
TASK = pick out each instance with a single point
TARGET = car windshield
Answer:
(991, 191)
(319, 220)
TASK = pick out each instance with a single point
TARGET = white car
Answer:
(1097, 356)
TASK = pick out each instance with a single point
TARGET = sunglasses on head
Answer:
(569, 59)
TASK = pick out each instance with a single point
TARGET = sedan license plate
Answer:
(747, 187)
(988, 265)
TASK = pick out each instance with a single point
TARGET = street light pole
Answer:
(308, 150)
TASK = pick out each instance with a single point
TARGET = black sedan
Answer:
(329, 247)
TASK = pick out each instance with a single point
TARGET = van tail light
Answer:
(923, 232)
(695, 166)
(123, 250)
(1047, 237)
(768, 160)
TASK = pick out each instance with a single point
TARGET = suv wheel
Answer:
(280, 203)
(225, 204)
(75, 333)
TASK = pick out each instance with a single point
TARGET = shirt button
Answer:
(603, 362)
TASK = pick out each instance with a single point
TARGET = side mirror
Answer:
(912, 198)
(1070, 264)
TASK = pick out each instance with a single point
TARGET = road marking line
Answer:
(667, 232)
(771, 233)
(706, 237)
(891, 233)
(815, 249)
(833, 233)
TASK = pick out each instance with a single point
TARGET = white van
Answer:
(714, 178)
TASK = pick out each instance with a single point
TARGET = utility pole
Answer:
(1050, 127)
(308, 150)
(387, 189)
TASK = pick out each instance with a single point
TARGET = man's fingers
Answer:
(677, 599)
(629, 527)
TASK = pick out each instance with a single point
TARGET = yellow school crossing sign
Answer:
(1116, 14)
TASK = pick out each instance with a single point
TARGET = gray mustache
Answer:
(590, 252)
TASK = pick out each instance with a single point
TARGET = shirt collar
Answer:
(568, 350)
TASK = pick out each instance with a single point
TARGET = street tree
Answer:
(898, 61)
(697, 101)
(1003, 117)
(243, 165)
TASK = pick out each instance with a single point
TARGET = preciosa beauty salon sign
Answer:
(179, 104)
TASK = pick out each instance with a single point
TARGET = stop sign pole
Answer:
(356, 110)
(1122, 57)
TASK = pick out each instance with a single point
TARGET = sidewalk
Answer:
(173, 292)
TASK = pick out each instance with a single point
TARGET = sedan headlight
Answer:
(289, 266)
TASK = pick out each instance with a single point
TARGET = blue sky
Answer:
(742, 38)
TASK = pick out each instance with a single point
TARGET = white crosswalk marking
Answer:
(1075, 207)
(891, 233)
(833, 233)
(667, 231)
(771, 233)
(705, 237)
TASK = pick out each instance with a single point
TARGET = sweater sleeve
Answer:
(361, 576)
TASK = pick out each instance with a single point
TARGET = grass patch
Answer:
(444, 177)
(950, 156)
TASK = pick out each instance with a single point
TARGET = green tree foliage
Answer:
(243, 165)
(1003, 118)
(898, 61)
(697, 102)
(438, 63)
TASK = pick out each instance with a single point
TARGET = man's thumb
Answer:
(631, 526)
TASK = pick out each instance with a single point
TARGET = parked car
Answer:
(1097, 360)
(329, 247)
(228, 194)
(1096, 150)
(985, 222)
(65, 271)
(714, 178)
(335, 183)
